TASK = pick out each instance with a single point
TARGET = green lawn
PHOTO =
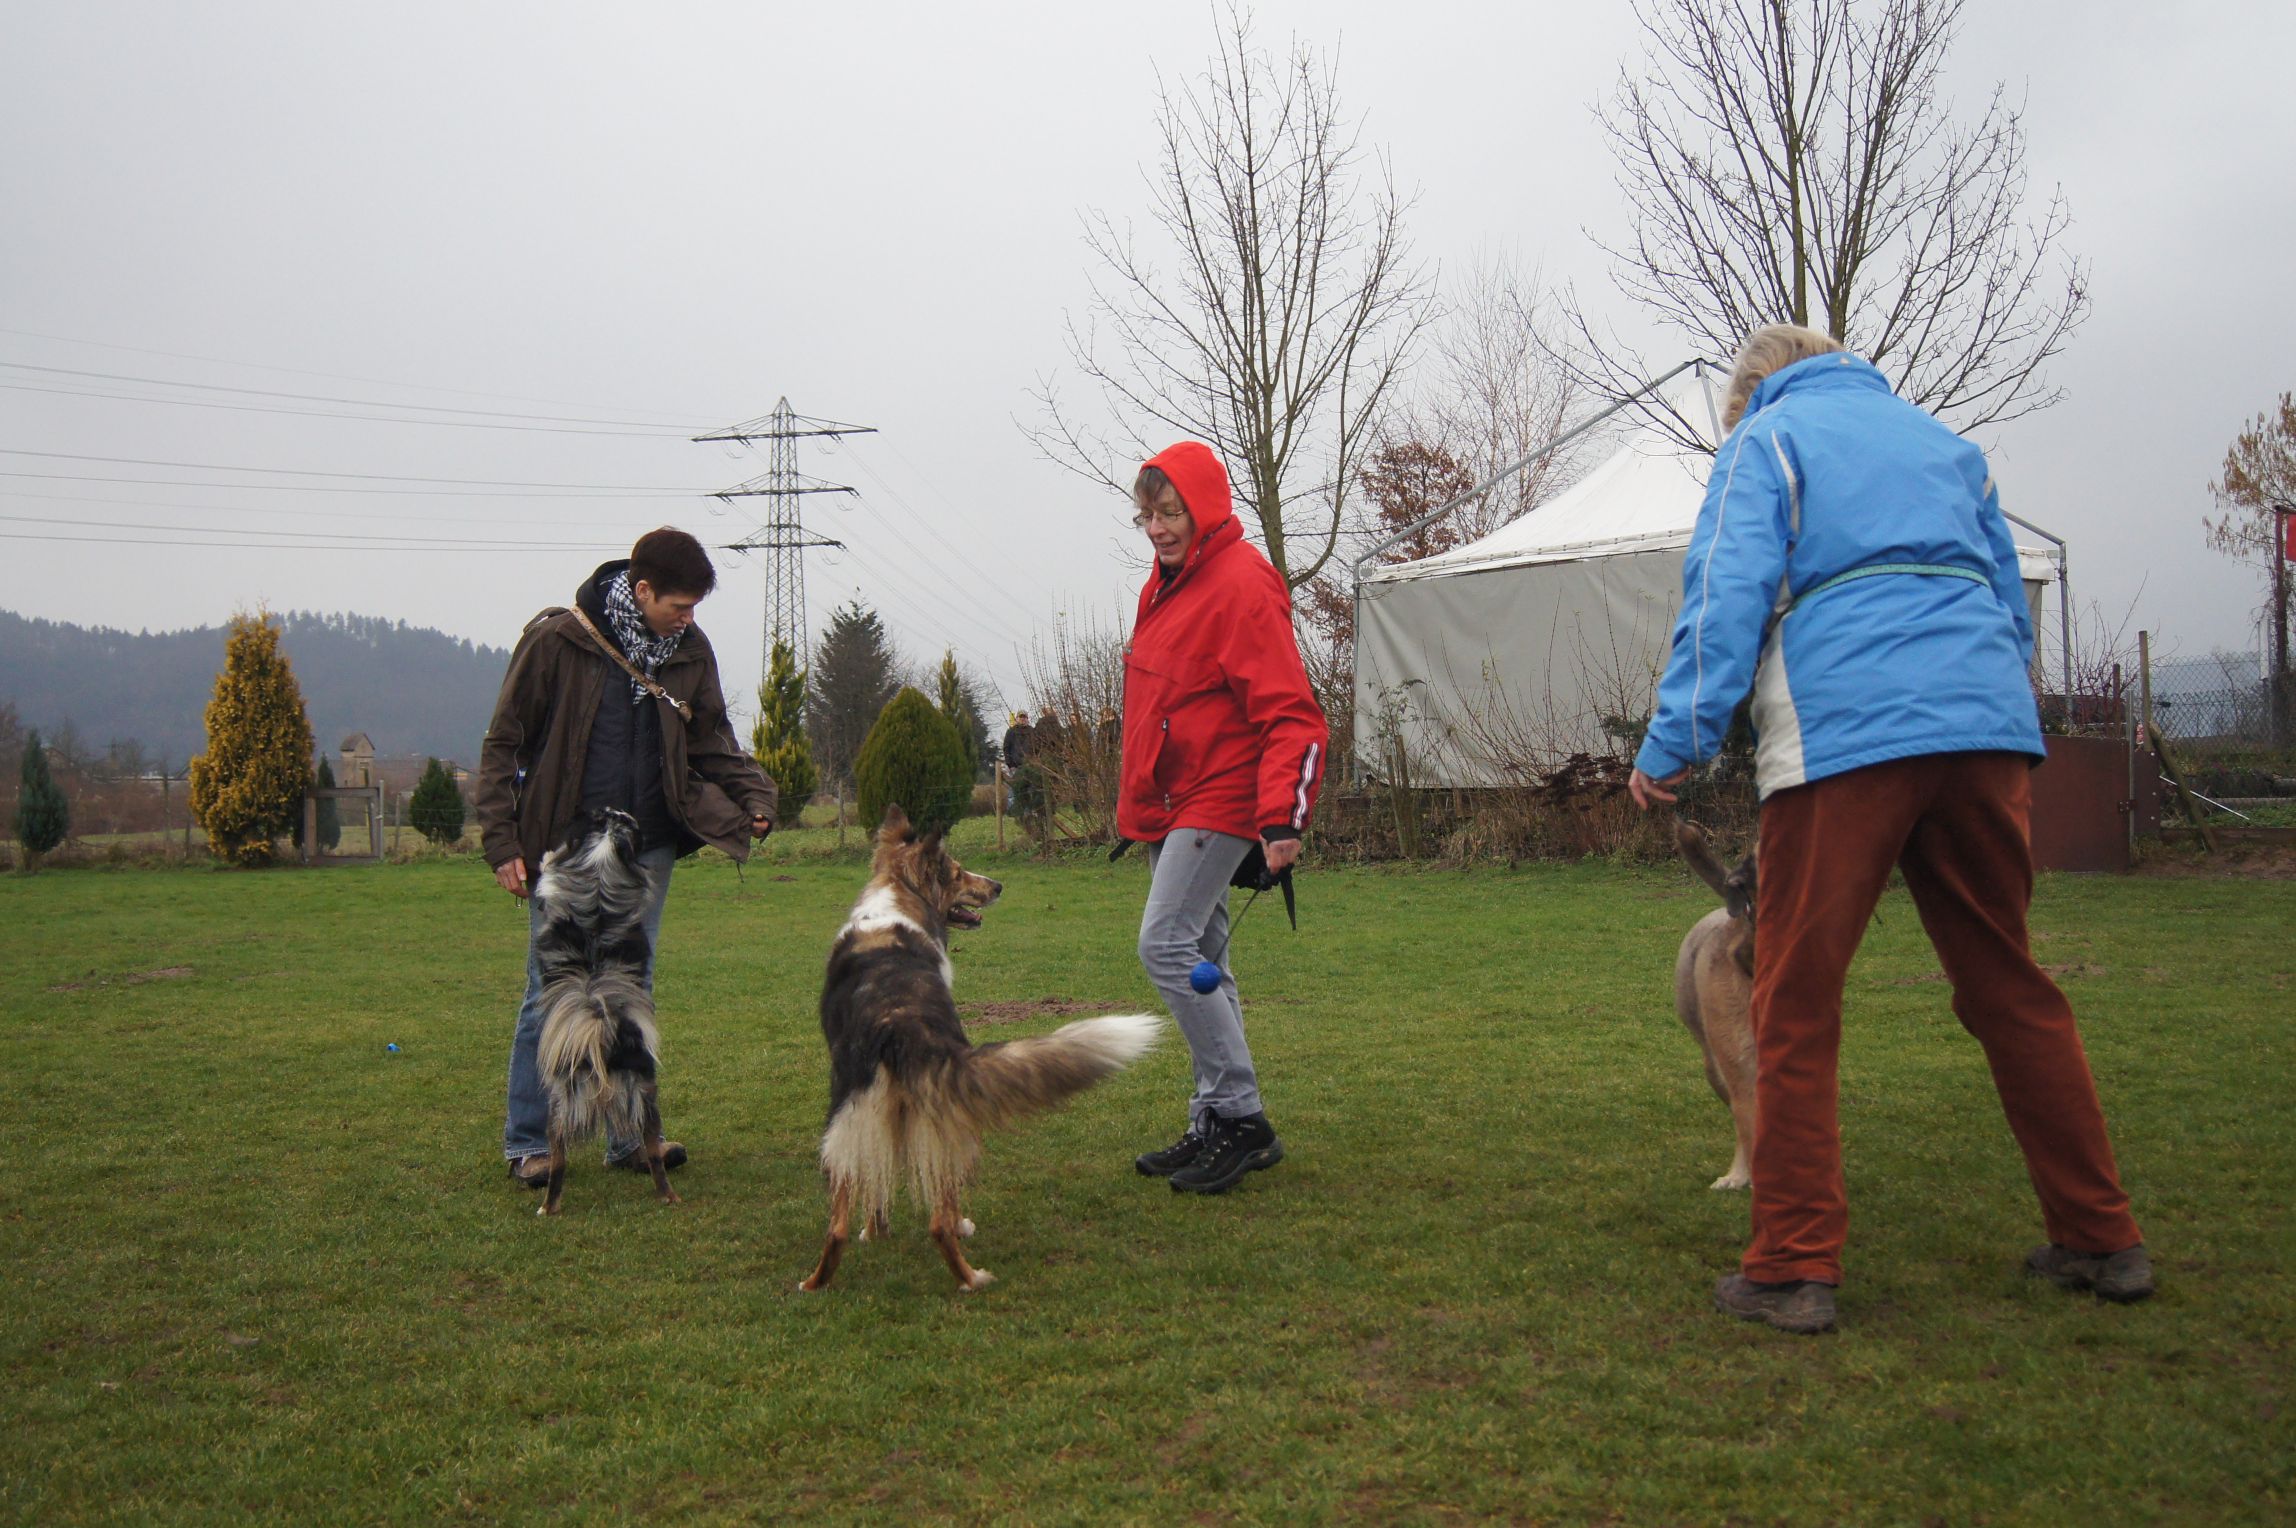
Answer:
(260, 1268)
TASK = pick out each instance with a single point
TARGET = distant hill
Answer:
(412, 690)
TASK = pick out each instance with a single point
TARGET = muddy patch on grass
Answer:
(92, 982)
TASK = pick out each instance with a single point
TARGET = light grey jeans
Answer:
(526, 1114)
(1186, 921)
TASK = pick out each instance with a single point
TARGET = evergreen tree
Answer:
(777, 739)
(247, 788)
(436, 808)
(961, 712)
(330, 810)
(43, 816)
(851, 682)
(912, 759)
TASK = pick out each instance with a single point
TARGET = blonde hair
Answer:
(1767, 351)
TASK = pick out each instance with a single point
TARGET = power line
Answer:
(331, 376)
(526, 548)
(301, 511)
(379, 477)
(378, 403)
(950, 547)
(326, 536)
(261, 408)
(435, 493)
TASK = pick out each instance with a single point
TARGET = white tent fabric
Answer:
(1489, 663)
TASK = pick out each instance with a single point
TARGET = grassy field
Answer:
(259, 1268)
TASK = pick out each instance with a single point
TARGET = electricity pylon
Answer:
(783, 538)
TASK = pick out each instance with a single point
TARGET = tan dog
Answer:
(910, 1096)
(1714, 990)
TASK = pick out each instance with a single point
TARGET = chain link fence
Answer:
(2223, 700)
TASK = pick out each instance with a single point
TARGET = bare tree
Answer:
(1293, 305)
(1494, 393)
(1795, 161)
(2258, 482)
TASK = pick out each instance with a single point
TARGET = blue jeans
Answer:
(1185, 921)
(526, 1117)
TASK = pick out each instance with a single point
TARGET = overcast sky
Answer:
(668, 216)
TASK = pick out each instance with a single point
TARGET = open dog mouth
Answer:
(964, 915)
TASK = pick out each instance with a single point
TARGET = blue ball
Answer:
(393, 1046)
(1206, 976)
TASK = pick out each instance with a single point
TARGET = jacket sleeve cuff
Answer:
(1656, 762)
(1278, 833)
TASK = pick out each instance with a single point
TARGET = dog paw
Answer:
(547, 1210)
(981, 1279)
(806, 1286)
(670, 1196)
(965, 1229)
(864, 1233)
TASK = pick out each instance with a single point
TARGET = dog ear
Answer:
(1738, 890)
(1691, 840)
(932, 843)
(895, 828)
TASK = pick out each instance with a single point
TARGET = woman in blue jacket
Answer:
(1852, 568)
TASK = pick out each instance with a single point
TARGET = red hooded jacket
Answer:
(1221, 730)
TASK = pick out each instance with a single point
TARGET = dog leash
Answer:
(645, 680)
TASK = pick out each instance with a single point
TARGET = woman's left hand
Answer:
(1281, 854)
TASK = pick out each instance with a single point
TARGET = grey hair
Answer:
(1767, 351)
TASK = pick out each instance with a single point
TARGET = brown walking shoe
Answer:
(2121, 1277)
(1802, 1306)
(530, 1172)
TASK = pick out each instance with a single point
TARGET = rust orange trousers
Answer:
(1957, 825)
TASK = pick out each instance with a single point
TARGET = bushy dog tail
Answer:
(996, 1084)
(598, 1044)
(925, 1123)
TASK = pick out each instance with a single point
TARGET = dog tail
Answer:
(996, 1084)
(927, 1125)
(597, 1049)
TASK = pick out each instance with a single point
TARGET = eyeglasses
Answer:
(1168, 516)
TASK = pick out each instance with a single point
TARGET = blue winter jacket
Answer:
(1852, 567)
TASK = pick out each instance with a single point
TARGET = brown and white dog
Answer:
(909, 1095)
(1714, 990)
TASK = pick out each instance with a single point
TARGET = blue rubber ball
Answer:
(1205, 977)
(394, 1045)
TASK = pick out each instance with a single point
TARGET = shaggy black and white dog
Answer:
(598, 1044)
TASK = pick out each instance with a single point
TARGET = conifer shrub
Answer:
(913, 758)
(247, 788)
(330, 811)
(436, 807)
(777, 739)
(43, 815)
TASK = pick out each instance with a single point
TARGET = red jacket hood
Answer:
(1202, 481)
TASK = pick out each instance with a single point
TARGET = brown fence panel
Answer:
(2082, 803)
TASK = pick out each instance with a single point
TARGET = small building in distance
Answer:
(357, 763)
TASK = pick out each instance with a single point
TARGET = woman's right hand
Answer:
(1645, 790)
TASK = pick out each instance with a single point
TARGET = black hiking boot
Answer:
(1232, 1148)
(2121, 1277)
(1162, 1164)
(1801, 1306)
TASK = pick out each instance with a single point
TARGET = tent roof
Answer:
(1644, 497)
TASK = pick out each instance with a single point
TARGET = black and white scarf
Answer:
(639, 644)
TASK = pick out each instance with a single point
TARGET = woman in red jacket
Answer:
(1223, 745)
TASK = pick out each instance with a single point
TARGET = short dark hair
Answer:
(1149, 486)
(668, 561)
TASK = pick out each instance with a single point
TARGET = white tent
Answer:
(1501, 657)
